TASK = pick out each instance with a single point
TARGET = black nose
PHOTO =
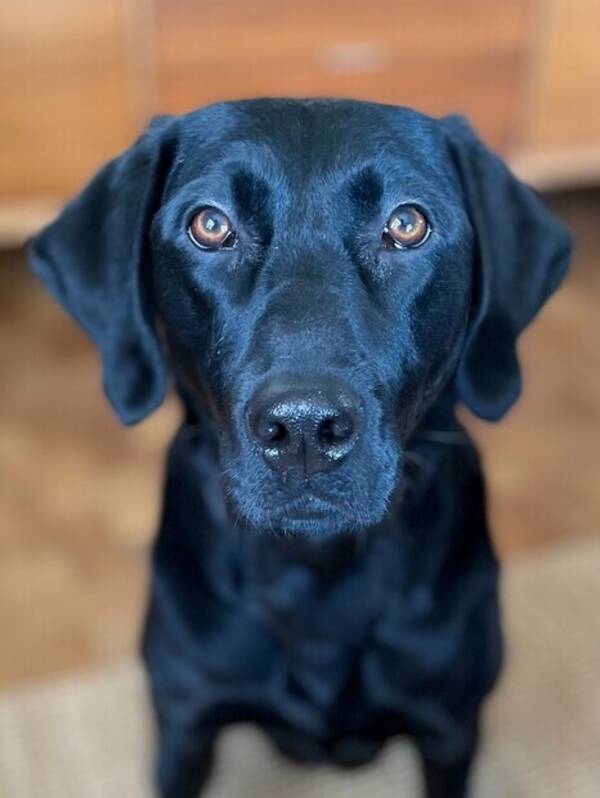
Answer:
(310, 426)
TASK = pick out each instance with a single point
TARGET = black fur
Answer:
(340, 607)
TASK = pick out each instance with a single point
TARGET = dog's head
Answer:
(317, 273)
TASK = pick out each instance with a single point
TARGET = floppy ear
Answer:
(95, 260)
(522, 254)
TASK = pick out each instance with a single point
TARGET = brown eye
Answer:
(211, 229)
(407, 227)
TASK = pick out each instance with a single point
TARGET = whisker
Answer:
(447, 437)
(417, 459)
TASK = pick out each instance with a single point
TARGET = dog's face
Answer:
(321, 272)
(313, 273)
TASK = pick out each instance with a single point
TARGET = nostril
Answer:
(335, 431)
(269, 431)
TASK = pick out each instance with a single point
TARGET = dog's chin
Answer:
(307, 517)
(307, 526)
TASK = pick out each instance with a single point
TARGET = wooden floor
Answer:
(79, 494)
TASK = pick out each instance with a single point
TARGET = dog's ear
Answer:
(95, 260)
(522, 253)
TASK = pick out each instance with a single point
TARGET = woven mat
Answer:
(88, 737)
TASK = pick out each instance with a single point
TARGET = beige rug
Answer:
(87, 737)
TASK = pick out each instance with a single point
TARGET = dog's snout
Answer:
(308, 427)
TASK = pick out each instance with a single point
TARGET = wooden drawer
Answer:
(79, 80)
(66, 92)
(437, 56)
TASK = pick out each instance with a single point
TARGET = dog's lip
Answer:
(307, 507)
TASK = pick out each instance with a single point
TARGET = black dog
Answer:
(326, 281)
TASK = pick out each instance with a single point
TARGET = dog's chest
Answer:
(321, 608)
(322, 626)
(334, 594)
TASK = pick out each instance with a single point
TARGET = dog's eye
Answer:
(211, 229)
(406, 228)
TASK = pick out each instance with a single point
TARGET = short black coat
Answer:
(381, 618)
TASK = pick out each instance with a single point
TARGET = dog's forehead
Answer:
(310, 137)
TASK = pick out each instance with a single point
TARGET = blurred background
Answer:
(78, 82)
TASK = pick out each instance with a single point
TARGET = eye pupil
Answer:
(211, 229)
(407, 228)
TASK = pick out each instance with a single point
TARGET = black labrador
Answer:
(324, 280)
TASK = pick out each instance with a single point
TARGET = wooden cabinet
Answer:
(79, 80)
(556, 137)
(436, 56)
(68, 99)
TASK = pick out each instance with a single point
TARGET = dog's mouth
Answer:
(324, 505)
(311, 514)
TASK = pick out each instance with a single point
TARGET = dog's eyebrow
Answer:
(250, 192)
(223, 154)
(251, 196)
(366, 187)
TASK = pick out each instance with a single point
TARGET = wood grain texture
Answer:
(67, 95)
(561, 99)
(439, 57)
(78, 81)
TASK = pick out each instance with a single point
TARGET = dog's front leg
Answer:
(446, 771)
(446, 780)
(185, 731)
(184, 765)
